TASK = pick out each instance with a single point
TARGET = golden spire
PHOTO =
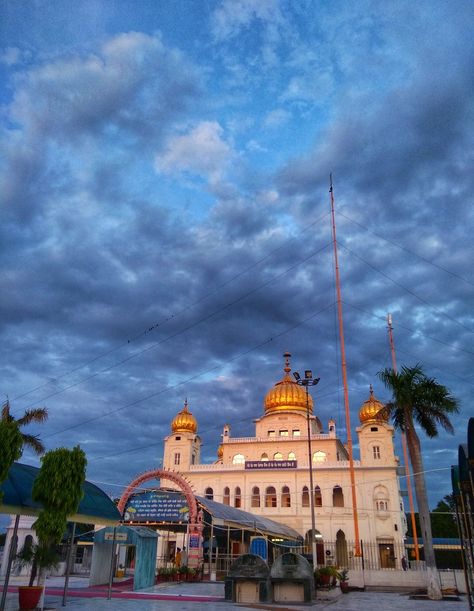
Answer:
(287, 395)
(184, 421)
(372, 410)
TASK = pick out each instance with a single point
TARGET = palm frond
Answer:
(6, 417)
(33, 442)
(39, 414)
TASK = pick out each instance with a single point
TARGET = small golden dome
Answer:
(220, 452)
(184, 422)
(287, 394)
(371, 410)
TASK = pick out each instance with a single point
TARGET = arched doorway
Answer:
(319, 545)
(342, 559)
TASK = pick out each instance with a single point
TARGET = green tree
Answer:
(11, 444)
(443, 519)
(58, 488)
(417, 399)
(39, 414)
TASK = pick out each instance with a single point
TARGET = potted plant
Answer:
(343, 577)
(40, 558)
(58, 487)
(323, 575)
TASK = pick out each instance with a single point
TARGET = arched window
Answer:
(239, 459)
(305, 497)
(381, 499)
(291, 456)
(285, 497)
(270, 497)
(226, 497)
(255, 496)
(318, 499)
(209, 494)
(237, 497)
(337, 497)
(319, 457)
(264, 457)
(376, 452)
(278, 456)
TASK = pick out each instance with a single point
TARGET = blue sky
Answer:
(165, 226)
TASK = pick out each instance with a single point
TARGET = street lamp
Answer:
(308, 381)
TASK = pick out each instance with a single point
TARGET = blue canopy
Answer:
(95, 507)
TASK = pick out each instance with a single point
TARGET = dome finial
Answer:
(287, 395)
(372, 410)
(184, 421)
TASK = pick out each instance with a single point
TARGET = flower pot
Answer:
(325, 580)
(29, 597)
(344, 586)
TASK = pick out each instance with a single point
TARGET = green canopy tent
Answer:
(95, 507)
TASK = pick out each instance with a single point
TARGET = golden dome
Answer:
(371, 410)
(287, 394)
(220, 452)
(184, 422)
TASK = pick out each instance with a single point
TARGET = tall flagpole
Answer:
(404, 446)
(344, 377)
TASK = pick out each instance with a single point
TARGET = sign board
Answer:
(118, 537)
(270, 464)
(157, 506)
(193, 541)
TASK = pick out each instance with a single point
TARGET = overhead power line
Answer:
(407, 290)
(183, 330)
(407, 250)
(174, 315)
(191, 378)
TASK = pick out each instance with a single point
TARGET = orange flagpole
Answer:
(344, 377)
(404, 446)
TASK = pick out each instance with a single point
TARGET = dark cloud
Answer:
(125, 290)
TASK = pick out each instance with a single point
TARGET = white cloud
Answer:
(234, 15)
(277, 117)
(254, 147)
(133, 83)
(10, 56)
(202, 151)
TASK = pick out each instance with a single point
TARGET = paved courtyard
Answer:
(333, 601)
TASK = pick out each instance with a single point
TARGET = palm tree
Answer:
(417, 399)
(39, 414)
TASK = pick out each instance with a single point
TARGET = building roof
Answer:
(436, 541)
(228, 514)
(95, 507)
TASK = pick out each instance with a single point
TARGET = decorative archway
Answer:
(195, 516)
(178, 479)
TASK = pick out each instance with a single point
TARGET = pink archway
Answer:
(165, 474)
(195, 524)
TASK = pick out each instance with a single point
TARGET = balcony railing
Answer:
(337, 464)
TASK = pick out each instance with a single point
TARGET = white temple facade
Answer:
(269, 474)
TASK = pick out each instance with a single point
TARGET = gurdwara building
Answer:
(269, 474)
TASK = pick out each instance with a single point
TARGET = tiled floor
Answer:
(332, 601)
